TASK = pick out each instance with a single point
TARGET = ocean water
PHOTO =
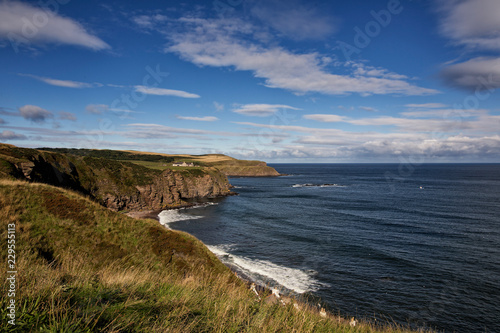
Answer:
(418, 246)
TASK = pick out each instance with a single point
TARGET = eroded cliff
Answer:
(118, 185)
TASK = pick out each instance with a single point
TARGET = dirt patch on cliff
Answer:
(62, 207)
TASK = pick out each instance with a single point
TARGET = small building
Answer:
(183, 164)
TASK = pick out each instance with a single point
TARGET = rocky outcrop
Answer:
(170, 189)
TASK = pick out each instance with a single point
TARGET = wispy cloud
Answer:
(218, 43)
(155, 131)
(63, 115)
(296, 19)
(207, 118)
(16, 16)
(165, 92)
(149, 21)
(445, 113)
(6, 112)
(368, 108)
(325, 118)
(97, 108)
(219, 107)
(427, 105)
(9, 135)
(261, 110)
(35, 113)
(62, 83)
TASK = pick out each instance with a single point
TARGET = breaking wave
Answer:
(264, 272)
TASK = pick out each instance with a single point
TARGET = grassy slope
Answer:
(158, 161)
(228, 165)
(84, 268)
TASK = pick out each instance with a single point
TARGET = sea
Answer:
(417, 245)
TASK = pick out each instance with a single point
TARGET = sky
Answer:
(403, 81)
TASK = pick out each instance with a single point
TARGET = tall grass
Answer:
(92, 270)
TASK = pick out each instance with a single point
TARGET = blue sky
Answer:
(275, 80)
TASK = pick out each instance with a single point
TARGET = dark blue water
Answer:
(419, 246)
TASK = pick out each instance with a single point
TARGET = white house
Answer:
(183, 164)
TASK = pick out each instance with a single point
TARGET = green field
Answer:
(161, 165)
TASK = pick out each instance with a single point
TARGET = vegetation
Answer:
(162, 166)
(83, 268)
(114, 183)
(111, 154)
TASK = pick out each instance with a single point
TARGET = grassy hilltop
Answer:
(227, 165)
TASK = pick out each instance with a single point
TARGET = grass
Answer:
(83, 268)
(161, 165)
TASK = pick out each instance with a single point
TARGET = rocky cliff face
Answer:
(169, 189)
(116, 185)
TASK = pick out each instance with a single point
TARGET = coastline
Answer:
(145, 214)
(263, 291)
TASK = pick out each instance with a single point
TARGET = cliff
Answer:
(242, 168)
(118, 185)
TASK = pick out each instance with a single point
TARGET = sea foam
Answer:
(173, 215)
(318, 185)
(267, 273)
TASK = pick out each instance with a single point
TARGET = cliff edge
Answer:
(116, 184)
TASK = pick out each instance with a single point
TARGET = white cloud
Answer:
(414, 125)
(261, 110)
(364, 70)
(476, 74)
(325, 118)
(102, 108)
(60, 83)
(473, 23)
(154, 131)
(35, 113)
(445, 113)
(445, 122)
(295, 19)
(427, 105)
(24, 24)
(323, 143)
(9, 135)
(218, 43)
(207, 118)
(165, 92)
